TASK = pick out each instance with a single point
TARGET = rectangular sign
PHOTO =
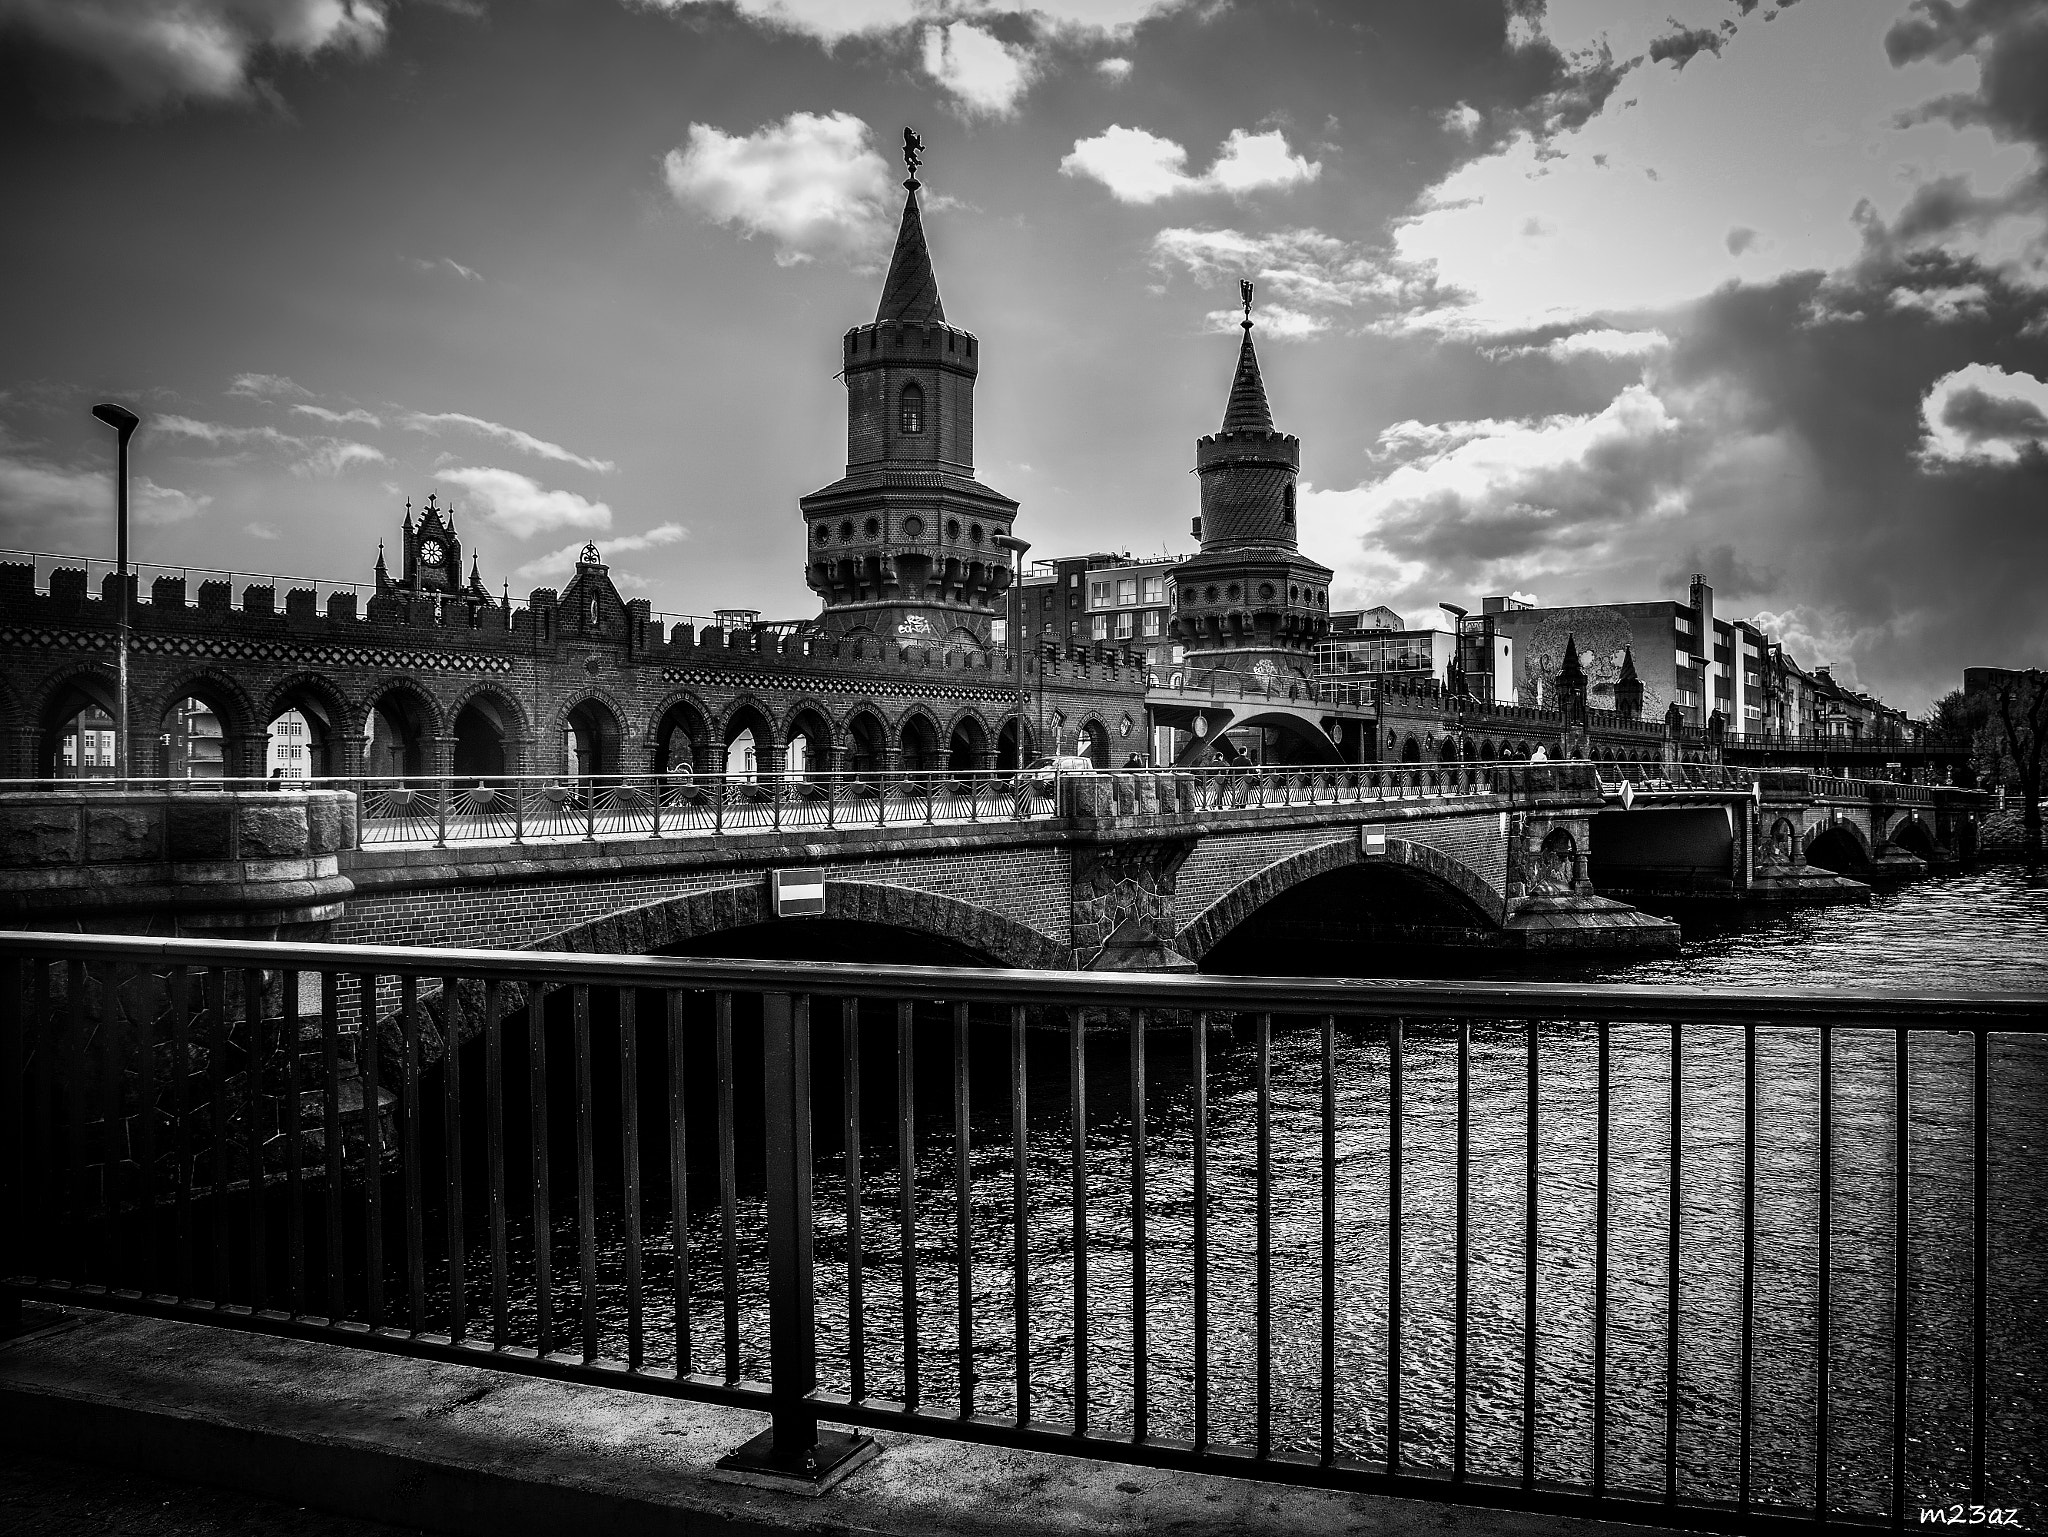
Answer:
(1372, 840)
(797, 893)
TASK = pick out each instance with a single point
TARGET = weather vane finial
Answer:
(1244, 289)
(913, 155)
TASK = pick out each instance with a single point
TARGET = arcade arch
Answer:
(590, 739)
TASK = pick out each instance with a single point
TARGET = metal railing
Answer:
(1614, 1251)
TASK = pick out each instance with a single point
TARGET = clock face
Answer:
(431, 552)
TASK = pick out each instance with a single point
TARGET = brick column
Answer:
(245, 753)
(439, 756)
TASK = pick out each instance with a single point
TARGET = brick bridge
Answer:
(1137, 870)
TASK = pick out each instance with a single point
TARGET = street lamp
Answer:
(124, 422)
(1015, 548)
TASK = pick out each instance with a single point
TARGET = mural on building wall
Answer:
(1602, 634)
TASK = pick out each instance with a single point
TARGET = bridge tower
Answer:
(1250, 601)
(904, 545)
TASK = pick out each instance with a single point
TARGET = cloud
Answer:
(522, 507)
(1983, 414)
(1273, 320)
(985, 75)
(128, 58)
(812, 184)
(261, 531)
(1302, 269)
(1604, 342)
(526, 442)
(1739, 239)
(559, 563)
(218, 432)
(266, 387)
(446, 264)
(827, 21)
(331, 456)
(1464, 120)
(1141, 167)
(355, 416)
(1683, 44)
(1115, 69)
(61, 503)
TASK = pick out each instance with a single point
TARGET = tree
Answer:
(2011, 707)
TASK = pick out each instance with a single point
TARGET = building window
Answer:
(1099, 594)
(1151, 621)
(1123, 626)
(1101, 627)
(1126, 591)
(1287, 505)
(913, 408)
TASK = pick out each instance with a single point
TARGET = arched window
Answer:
(1287, 511)
(913, 408)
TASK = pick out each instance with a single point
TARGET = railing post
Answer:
(654, 801)
(441, 813)
(518, 810)
(792, 1448)
(589, 809)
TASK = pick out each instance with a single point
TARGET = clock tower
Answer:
(433, 553)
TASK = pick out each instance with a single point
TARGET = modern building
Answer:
(290, 754)
(1379, 643)
(193, 746)
(87, 750)
(1101, 600)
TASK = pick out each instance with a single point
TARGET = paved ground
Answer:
(50, 1497)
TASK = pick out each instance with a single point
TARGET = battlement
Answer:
(1229, 448)
(932, 345)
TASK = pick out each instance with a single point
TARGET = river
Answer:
(1983, 930)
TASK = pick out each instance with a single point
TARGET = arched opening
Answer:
(1838, 847)
(919, 744)
(1013, 745)
(192, 740)
(1486, 750)
(1367, 919)
(911, 417)
(967, 750)
(1411, 750)
(304, 738)
(590, 740)
(483, 735)
(77, 736)
(681, 740)
(807, 751)
(866, 742)
(1916, 838)
(395, 737)
(748, 744)
(1094, 743)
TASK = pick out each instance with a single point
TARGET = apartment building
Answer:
(1118, 602)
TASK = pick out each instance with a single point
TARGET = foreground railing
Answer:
(1631, 1252)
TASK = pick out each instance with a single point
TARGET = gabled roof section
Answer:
(911, 293)
(1247, 410)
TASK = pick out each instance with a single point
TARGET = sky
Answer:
(1570, 300)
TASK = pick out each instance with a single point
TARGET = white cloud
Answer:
(985, 74)
(65, 500)
(526, 442)
(522, 507)
(444, 264)
(828, 21)
(355, 416)
(1117, 69)
(1303, 269)
(261, 531)
(147, 55)
(1463, 120)
(563, 561)
(218, 432)
(266, 387)
(1980, 414)
(1141, 167)
(1273, 319)
(813, 184)
(1603, 342)
(331, 456)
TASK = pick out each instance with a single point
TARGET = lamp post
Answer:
(124, 422)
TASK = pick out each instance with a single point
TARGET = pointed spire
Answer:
(1570, 671)
(1628, 665)
(1247, 410)
(911, 292)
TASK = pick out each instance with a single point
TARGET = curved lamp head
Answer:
(120, 418)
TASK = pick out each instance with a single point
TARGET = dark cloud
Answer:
(1983, 418)
(1728, 574)
(2010, 41)
(1682, 46)
(1740, 239)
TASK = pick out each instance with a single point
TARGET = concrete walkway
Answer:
(462, 1449)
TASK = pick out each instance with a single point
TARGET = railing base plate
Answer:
(835, 1455)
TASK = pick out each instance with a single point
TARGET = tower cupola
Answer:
(903, 546)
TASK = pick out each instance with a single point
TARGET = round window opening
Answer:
(872, 527)
(974, 532)
(913, 526)
(846, 529)
(952, 528)
(1210, 594)
(1265, 589)
(824, 532)
(1232, 593)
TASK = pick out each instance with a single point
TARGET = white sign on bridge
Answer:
(797, 893)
